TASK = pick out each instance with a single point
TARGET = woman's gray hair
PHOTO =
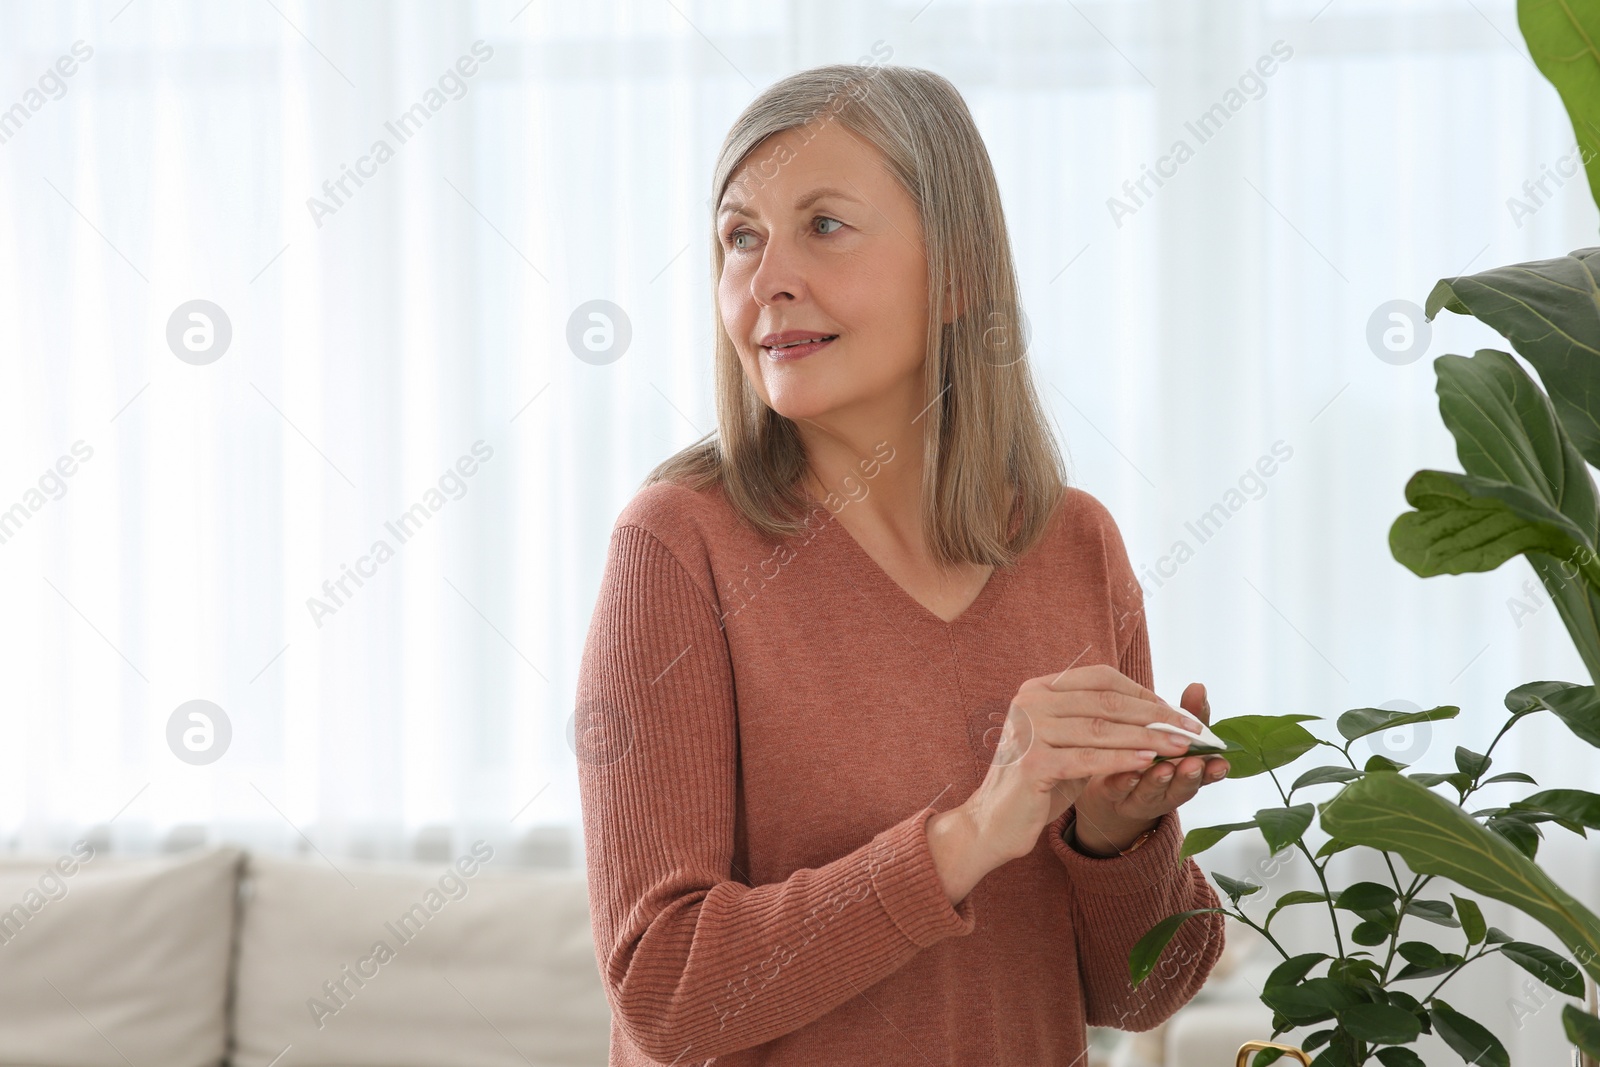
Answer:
(986, 439)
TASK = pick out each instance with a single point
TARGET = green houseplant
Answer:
(1525, 490)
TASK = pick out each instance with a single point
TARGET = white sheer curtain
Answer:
(379, 335)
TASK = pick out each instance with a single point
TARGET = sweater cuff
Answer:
(907, 884)
(1152, 864)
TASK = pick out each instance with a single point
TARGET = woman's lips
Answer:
(797, 351)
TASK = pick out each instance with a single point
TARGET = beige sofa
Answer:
(217, 955)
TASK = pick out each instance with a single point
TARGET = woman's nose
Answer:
(779, 274)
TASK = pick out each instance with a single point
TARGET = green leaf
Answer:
(1496, 936)
(1507, 431)
(1383, 763)
(1576, 705)
(1425, 960)
(1573, 805)
(1235, 888)
(1579, 707)
(1561, 39)
(1359, 722)
(1431, 779)
(1293, 969)
(1291, 898)
(1399, 1057)
(1332, 845)
(1433, 836)
(1370, 933)
(1582, 1029)
(1324, 775)
(1469, 1039)
(1471, 918)
(1312, 1001)
(1470, 763)
(1146, 952)
(1522, 835)
(1380, 1024)
(1282, 827)
(1510, 776)
(1201, 838)
(1435, 911)
(1366, 896)
(1266, 1056)
(1465, 524)
(1266, 742)
(1551, 968)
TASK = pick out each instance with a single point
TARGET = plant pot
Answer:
(1248, 1047)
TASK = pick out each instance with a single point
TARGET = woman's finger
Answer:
(1113, 704)
(1074, 763)
(1084, 732)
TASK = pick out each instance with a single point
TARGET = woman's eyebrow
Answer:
(739, 207)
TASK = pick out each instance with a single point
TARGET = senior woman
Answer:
(863, 709)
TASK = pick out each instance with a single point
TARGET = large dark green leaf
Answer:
(1551, 968)
(1434, 836)
(1380, 1023)
(1576, 705)
(1312, 1001)
(1561, 39)
(1582, 1029)
(1547, 310)
(1293, 969)
(1469, 1039)
(1267, 742)
(1573, 805)
(1506, 429)
(1146, 952)
(1465, 524)
(1282, 827)
(1359, 722)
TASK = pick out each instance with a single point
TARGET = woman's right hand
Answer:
(1060, 731)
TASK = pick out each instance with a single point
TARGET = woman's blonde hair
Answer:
(986, 440)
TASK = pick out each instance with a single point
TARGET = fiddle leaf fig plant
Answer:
(1526, 490)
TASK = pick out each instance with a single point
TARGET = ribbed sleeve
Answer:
(1117, 898)
(696, 961)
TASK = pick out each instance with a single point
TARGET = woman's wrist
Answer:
(1096, 838)
(955, 844)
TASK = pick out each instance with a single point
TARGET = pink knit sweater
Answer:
(763, 731)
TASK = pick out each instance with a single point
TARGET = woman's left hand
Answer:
(1114, 809)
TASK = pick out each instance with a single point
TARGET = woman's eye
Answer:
(733, 238)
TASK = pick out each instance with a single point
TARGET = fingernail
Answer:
(1146, 753)
(1193, 774)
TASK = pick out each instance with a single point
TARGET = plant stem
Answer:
(1262, 930)
(1333, 916)
(1484, 951)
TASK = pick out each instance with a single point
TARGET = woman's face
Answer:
(819, 239)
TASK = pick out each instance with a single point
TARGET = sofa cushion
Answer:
(109, 961)
(416, 965)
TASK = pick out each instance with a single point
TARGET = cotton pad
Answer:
(1203, 743)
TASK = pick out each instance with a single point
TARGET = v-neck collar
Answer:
(890, 591)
